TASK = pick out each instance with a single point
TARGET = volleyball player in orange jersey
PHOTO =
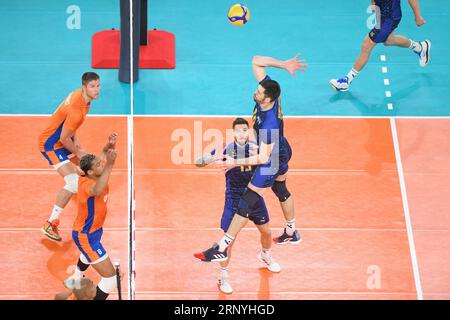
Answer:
(59, 144)
(88, 226)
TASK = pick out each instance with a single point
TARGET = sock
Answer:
(55, 213)
(265, 253)
(415, 46)
(290, 227)
(100, 295)
(224, 271)
(225, 242)
(80, 269)
(352, 75)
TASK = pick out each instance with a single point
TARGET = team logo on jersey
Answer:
(105, 199)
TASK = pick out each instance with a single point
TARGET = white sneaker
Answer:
(270, 263)
(424, 55)
(340, 84)
(71, 282)
(224, 285)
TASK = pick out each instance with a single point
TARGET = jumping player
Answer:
(58, 143)
(390, 16)
(88, 226)
(237, 180)
(274, 153)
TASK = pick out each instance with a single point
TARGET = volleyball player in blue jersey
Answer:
(390, 15)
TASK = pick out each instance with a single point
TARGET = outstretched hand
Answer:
(294, 64)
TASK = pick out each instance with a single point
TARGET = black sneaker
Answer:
(285, 238)
(212, 254)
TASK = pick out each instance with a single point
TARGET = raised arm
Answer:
(101, 183)
(420, 21)
(260, 63)
(111, 144)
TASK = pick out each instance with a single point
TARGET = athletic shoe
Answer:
(50, 229)
(424, 54)
(70, 282)
(340, 84)
(270, 262)
(285, 238)
(224, 285)
(212, 254)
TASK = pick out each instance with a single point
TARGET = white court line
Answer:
(235, 116)
(358, 293)
(387, 82)
(388, 94)
(390, 106)
(383, 58)
(409, 229)
(217, 229)
(384, 69)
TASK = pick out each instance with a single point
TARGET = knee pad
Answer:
(71, 182)
(107, 284)
(280, 190)
(247, 202)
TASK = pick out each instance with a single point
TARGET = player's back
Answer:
(73, 109)
(91, 209)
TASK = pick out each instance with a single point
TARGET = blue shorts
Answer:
(90, 246)
(388, 26)
(259, 215)
(56, 156)
(265, 174)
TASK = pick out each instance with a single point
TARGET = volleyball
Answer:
(238, 14)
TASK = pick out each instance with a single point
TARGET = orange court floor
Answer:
(363, 237)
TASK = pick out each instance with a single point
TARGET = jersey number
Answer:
(246, 168)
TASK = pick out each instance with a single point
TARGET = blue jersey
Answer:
(238, 178)
(389, 9)
(269, 126)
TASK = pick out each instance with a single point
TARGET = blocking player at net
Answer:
(88, 226)
(60, 145)
(237, 179)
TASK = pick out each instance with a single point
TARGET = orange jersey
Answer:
(70, 115)
(91, 209)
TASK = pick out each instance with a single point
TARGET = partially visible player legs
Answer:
(422, 48)
(68, 172)
(108, 282)
(218, 252)
(81, 267)
(290, 234)
(224, 281)
(343, 84)
(266, 244)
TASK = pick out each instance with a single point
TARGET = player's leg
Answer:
(260, 217)
(343, 84)
(101, 262)
(59, 159)
(422, 48)
(224, 280)
(266, 243)
(218, 252)
(108, 282)
(279, 188)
